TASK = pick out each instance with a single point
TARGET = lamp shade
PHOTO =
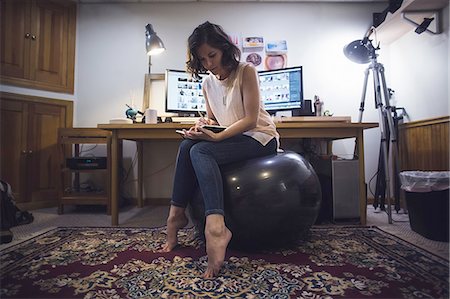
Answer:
(357, 52)
(153, 43)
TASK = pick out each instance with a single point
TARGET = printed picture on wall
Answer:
(235, 39)
(275, 62)
(253, 42)
(276, 55)
(253, 51)
(276, 47)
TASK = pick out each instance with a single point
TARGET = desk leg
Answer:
(140, 160)
(114, 178)
(329, 147)
(362, 180)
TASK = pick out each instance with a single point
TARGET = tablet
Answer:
(215, 129)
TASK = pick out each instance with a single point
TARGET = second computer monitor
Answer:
(281, 89)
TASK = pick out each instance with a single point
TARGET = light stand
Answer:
(362, 51)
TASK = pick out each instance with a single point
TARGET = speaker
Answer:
(306, 110)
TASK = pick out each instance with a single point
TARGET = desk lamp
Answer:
(154, 46)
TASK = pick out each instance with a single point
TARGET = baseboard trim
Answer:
(27, 206)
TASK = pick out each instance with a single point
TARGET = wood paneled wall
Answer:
(424, 145)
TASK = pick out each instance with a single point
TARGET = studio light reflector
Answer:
(357, 51)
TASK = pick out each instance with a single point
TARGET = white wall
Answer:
(112, 60)
(111, 63)
(418, 71)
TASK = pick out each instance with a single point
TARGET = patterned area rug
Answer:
(337, 262)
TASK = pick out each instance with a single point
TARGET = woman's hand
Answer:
(200, 133)
(205, 121)
(202, 121)
(197, 131)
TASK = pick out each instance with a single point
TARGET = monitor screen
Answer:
(281, 89)
(184, 94)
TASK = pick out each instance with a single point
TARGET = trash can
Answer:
(427, 201)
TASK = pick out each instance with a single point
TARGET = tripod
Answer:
(387, 130)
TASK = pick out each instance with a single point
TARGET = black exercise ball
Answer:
(270, 201)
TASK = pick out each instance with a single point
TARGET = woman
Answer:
(232, 100)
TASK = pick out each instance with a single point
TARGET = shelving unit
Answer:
(394, 26)
(69, 141)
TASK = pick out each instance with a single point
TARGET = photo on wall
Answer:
(253, 51)
(235, 38)
(276, 55)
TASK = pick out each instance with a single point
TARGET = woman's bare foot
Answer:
(217, 238)
(177, 219)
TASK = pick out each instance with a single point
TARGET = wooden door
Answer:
(44, 122)
(14, 151)
(15, 36)
(49, 47)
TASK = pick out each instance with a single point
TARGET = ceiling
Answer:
(165, 1)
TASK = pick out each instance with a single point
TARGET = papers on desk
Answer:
(120, 121)
(184, 119)
(313, 119)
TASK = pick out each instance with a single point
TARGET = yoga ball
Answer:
(270, 201)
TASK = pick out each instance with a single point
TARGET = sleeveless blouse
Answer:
(226, 103)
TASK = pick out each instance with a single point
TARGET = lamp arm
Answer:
(149, 64)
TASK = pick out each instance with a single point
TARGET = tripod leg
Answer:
(384, 141)
(380, 186)
(384, 146)
(393, 140)
(396, 165)
(361, 106)
(363, 95)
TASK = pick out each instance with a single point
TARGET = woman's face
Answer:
(211, 59)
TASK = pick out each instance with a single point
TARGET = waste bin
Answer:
(427, 201)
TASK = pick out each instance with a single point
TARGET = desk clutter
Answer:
(282, 119)
(277, 119)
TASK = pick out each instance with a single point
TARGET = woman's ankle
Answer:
(177, 218)
(215, 225)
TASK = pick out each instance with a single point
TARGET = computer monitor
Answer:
(281, 89)
(184, 94)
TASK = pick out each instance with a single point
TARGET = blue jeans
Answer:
(198, 166)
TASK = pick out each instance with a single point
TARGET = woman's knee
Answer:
(198, 150)
(186, 145)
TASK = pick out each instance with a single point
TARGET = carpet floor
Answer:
(105, 262)
(156, 215)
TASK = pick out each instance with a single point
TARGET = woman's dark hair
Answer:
(214, 36)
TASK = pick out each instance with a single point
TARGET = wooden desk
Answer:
(288, 130)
